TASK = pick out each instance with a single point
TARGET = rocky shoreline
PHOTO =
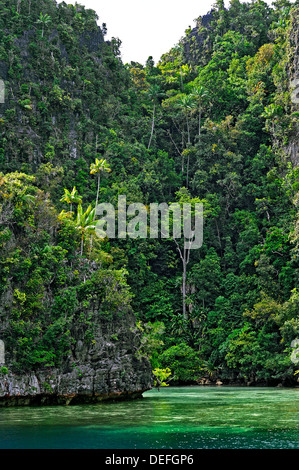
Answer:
(84, 385)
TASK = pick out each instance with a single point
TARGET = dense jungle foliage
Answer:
(212, 122)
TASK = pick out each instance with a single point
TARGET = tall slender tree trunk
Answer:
(187, 177)
(188, 130)
(98, 191)
(82, 242)
(199, 122)
(188, 157)
(184, 255)
(153, 126)
(184, 285)
(97, 200)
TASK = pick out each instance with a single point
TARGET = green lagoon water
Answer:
(172, 418)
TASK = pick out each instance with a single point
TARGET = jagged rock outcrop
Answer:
(198, 42)
(108, 368)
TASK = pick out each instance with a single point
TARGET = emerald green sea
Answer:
(172, 418)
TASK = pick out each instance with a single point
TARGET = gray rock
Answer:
(115, 371)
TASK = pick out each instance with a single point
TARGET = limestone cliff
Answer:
(67, 327)
(293, 73)
(67, 330)
(108, 368)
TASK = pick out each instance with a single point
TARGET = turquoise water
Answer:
(172, 418)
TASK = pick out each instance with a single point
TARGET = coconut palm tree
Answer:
(85, 223)
(71, 197)
(186, 103)
(200, 95)
(154, 93)
(184, 71)
(100, 166)
(44, 20)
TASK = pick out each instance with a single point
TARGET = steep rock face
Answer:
(64, 341)
(67, 330)
(107, 368)
(293, 146)
(198, 41)
(58, 89)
